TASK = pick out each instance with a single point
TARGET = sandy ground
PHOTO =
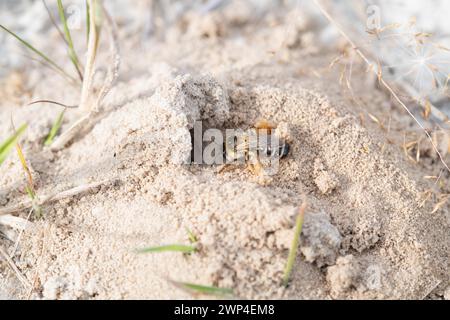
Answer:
(370, 230)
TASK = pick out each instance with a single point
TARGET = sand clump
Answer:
(343, 276)
(163, 121)
(326, 181)
(322, 240)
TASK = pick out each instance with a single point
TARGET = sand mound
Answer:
(363, 234)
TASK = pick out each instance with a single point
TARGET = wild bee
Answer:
(259, 148)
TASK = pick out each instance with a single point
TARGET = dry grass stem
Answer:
(16, 270)
(54, 197)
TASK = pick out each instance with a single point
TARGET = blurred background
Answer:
(408, 39)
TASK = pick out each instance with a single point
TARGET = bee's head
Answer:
(282, 151)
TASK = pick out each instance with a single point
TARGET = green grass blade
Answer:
(192, 237)
(88, 22)
(72, 53)
(39, 53)
(54, 22)
(294, 246)
(201, 289)
(169, 248)
(6, 146)
(55, 128)
(30, 193)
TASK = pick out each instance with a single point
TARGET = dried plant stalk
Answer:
(16, 270)
(54, 197)
(88, 105)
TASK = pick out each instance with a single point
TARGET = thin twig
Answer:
(52, 102)
(430, 290)
(16, 246)
(16, 270)
(434, 110)
(54, 197)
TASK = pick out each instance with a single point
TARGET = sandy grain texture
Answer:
(366, 234)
